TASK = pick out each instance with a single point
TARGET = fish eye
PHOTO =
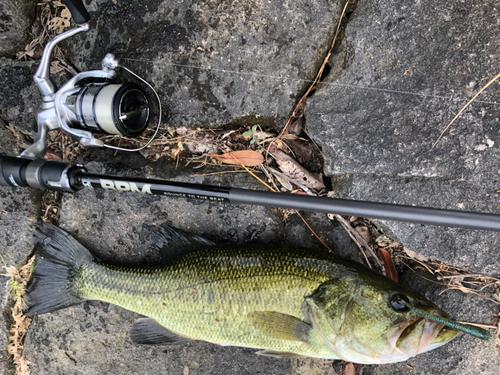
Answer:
(396, 302)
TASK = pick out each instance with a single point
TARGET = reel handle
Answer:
(39, 173)
(78, 11)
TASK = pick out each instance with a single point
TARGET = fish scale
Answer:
(209, 294)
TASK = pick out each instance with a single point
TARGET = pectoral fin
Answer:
(281, 326)
(149, 332)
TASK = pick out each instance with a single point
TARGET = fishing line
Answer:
(471, 330)
(282, 78)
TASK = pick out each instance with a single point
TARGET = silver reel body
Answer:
(90, 102)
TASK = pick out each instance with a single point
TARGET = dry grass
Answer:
(52, 18)
(450, 277)
(17, 331)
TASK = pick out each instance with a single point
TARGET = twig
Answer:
(459, 276)
(269, 177)
(464, 107)
(313, 232)
(361, 243)
(66, 66)
(298, 107)
(213, 173)
(479, 325)
(420, 263)
(297, 212)
(464, 289)
(252, 174)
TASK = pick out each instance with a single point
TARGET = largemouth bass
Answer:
(287, 300)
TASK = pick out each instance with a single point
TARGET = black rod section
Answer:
(156, 187)
(372, 210)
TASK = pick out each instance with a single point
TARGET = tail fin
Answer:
(59, 257)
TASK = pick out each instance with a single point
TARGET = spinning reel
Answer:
(90, 102)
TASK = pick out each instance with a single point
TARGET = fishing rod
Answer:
(66, 177)
(93, 102)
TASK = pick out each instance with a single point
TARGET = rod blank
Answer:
(372, 210)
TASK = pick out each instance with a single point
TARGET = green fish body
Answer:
(287, 300)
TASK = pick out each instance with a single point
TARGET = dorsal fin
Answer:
(172, 242)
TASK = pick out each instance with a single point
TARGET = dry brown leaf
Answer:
(302, 148)
(296, 126)
(365, 233)
(248, 158)
(350, 368)
(56, 68)
(174, 153)
(295, 171)
(390, 270)
(50, 155)
(20, 324)
(60, 23)
(21, 138)
(284, 182)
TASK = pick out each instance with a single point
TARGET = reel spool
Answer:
(119, 109)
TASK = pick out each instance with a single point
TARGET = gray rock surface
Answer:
(19, 97)
(250, 56)
(404, 71)
(19, 210)
(16, 17)
(376, 144)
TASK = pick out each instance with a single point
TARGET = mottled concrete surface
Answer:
(214, 62)
(16, 18)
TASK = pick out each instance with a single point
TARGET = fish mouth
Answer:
(423, 335)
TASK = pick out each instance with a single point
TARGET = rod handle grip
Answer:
(12, 171)
(39, 173)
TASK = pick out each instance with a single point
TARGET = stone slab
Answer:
(214, 62)
(403, 72)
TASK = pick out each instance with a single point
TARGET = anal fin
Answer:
(281, 326)
(277, 354)
(148, 331)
